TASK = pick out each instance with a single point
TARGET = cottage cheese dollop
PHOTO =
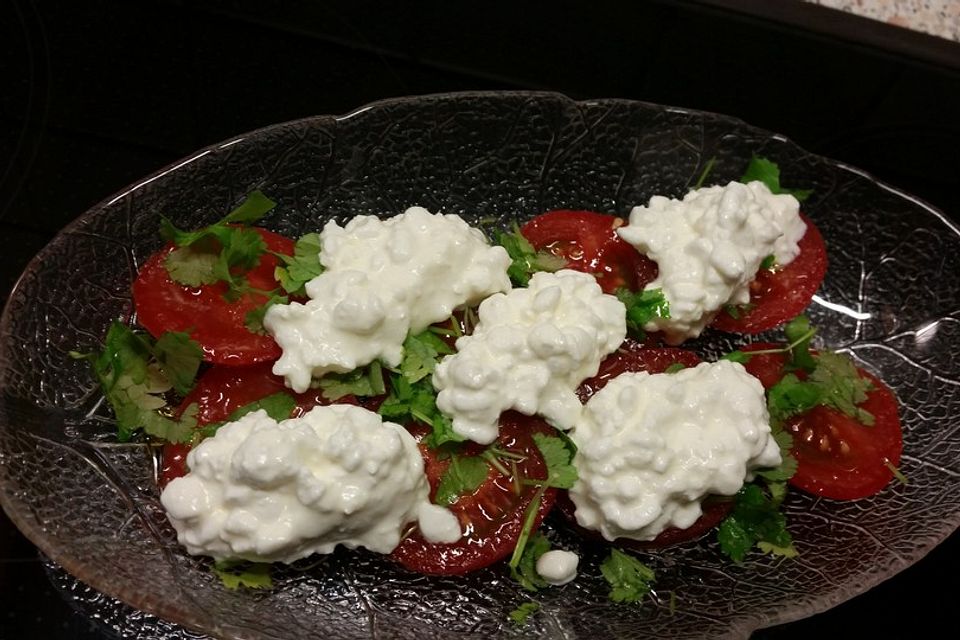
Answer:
(530, 350)
(558, 567)
(709, 246)
(651, 447)
(383, 279)
(266, 491)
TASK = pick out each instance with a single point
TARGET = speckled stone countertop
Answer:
(936, 17)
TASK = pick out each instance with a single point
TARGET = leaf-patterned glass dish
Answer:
(91, 504)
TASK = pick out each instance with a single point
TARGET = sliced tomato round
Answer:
(715, 509)
(837, 456)
(783, 293)
(589, 242)
(492, 516)
(217, 325)
(634, 357)
(222, 390)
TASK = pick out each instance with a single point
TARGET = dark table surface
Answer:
(98, 95)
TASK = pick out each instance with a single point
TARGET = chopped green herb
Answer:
(525, 259)
(799, 334)
(788, 465)
(363, 382)
(135, 372)
(521, 615)
(417, 401)
(525, 573)
(558, 457)
(240, 573)
(755, 519)
(768, 173)
(642, 307)
(675, 367)
(278, 406)
(707, 168)
(741, 357)
(841, 385)
(420, 355)
(464, 475)
(901, 478)
(769, 262)
(300, 268)
(630, 580)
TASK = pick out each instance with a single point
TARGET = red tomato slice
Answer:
(635, 356)
(217, 325)
(837, 456)
(779, 295)
(221, 391)
(589, 242)
(492, 516)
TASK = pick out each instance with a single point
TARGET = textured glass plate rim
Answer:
(740, 626)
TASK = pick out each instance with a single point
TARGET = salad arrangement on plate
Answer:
(213, 303)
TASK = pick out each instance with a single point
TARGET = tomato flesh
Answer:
(217, 325)
(221, 391)
(589, 242)
(783, 293)
(838, 457)
(492, 516)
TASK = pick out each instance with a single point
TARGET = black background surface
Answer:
(98, 94)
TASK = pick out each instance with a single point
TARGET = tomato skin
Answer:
(589, 242)
(635, 356)
(837, 457)
(217, 325)
(491, 517)
(782, 294)
(222, 390)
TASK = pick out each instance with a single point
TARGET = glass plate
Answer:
(91, 504)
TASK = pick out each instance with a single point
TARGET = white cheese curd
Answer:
(383, 279)
(530, 350)
(709, 247)
(266, 491)
(558, 567)
(651, 447)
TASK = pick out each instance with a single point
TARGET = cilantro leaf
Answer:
(255, 206)
(254, 318)
(800, 333)
(525, 572)
(742, 357)
(559, 460)
(191, 267)
(675, 367)
(278, 406)
(364, 382)
(521, 615)
(302, 267)
(642, 307)
(135, 372)
(769, 262)
(464, 475)
(755, 519)
(525, 259)
(630, 580)
(841, 385)
(420, 355)
(788, 465)
(417, 401)
(240, 573)
(768, 173)
(790, 397)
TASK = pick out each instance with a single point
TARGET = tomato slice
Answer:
(837, 456)
(635, 356)
(779, 295)
(589, 242)
(217, 325)
(492, 516)
(221, 391)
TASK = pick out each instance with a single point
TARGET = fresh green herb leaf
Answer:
(278, 406)
(630, 580)
(302, 267)
(417, 401)
(464, 475)
(769, 262)
(420, 355)
(675, 367)
(254, 318)
(790, 397)
(768, 173)
(363, 382)
(240, 573)
(755, 519)
(521, 615)
(179, 359)
(558, 457)
(255, 206)
(525, 259)
(191, 267)
(742, 357)
(525, 572)
(799, 334)
(788, 465)
(841, 386)
(134, 374)
(642, 307)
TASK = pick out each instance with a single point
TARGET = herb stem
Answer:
(528, 517)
